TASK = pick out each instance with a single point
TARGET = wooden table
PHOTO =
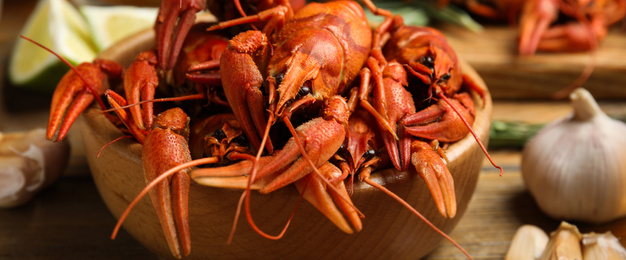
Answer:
(69, 220)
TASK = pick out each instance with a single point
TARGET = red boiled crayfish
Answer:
(200, 49)
(394, 103)
(538, 30)
(285, 167)
(323, 136)
(362, 147)
(170, 197)
(170, 129)
(308, 64)
(77, 90)
(361, 155)
(423, 53)
(82, 84)
(567, 26)
(176, 17)
(553, 25)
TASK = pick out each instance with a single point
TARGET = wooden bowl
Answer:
(389, 230)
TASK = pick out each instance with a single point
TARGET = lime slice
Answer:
(109, 24)
(57, 25)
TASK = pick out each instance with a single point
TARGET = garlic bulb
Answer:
(575, 167)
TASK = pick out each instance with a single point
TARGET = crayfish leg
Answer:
(331, 202)
(431, 168)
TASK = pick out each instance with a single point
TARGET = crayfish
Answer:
(313, 97)
(554, 26)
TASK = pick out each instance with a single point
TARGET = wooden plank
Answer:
(509, 76)
(66, 221)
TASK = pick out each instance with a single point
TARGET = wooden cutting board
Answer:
(493, 53)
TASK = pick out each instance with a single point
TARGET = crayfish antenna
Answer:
(112, 142)
(245, 196)
(169, 99)
(156, 181)
(589, 68)
(414, 211)
(582, 78)
(443, 96)
(89, 86)
(243, 13)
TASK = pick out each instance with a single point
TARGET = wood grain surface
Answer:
(70, 221)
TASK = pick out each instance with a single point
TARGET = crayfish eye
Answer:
(240, 139)
(428, 61)
(219, 134)
(279, 79)
(369, 153)
(304, 90)
(446, 77)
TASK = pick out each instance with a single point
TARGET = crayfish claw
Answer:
(440, 122)
(242, 82)
(170, 197)
(65, 113)
(173, 22)
(571, 37)
(140, 83)
(431, 168)
(331, 202)
(75, 92)
(535, 19)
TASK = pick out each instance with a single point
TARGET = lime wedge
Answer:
(109, 24)
(57, 25)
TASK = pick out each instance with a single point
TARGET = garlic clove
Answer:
(28, 163)
(528, 243)
(602, 246)
(16, 174)
(564, 244)
(575, 167)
